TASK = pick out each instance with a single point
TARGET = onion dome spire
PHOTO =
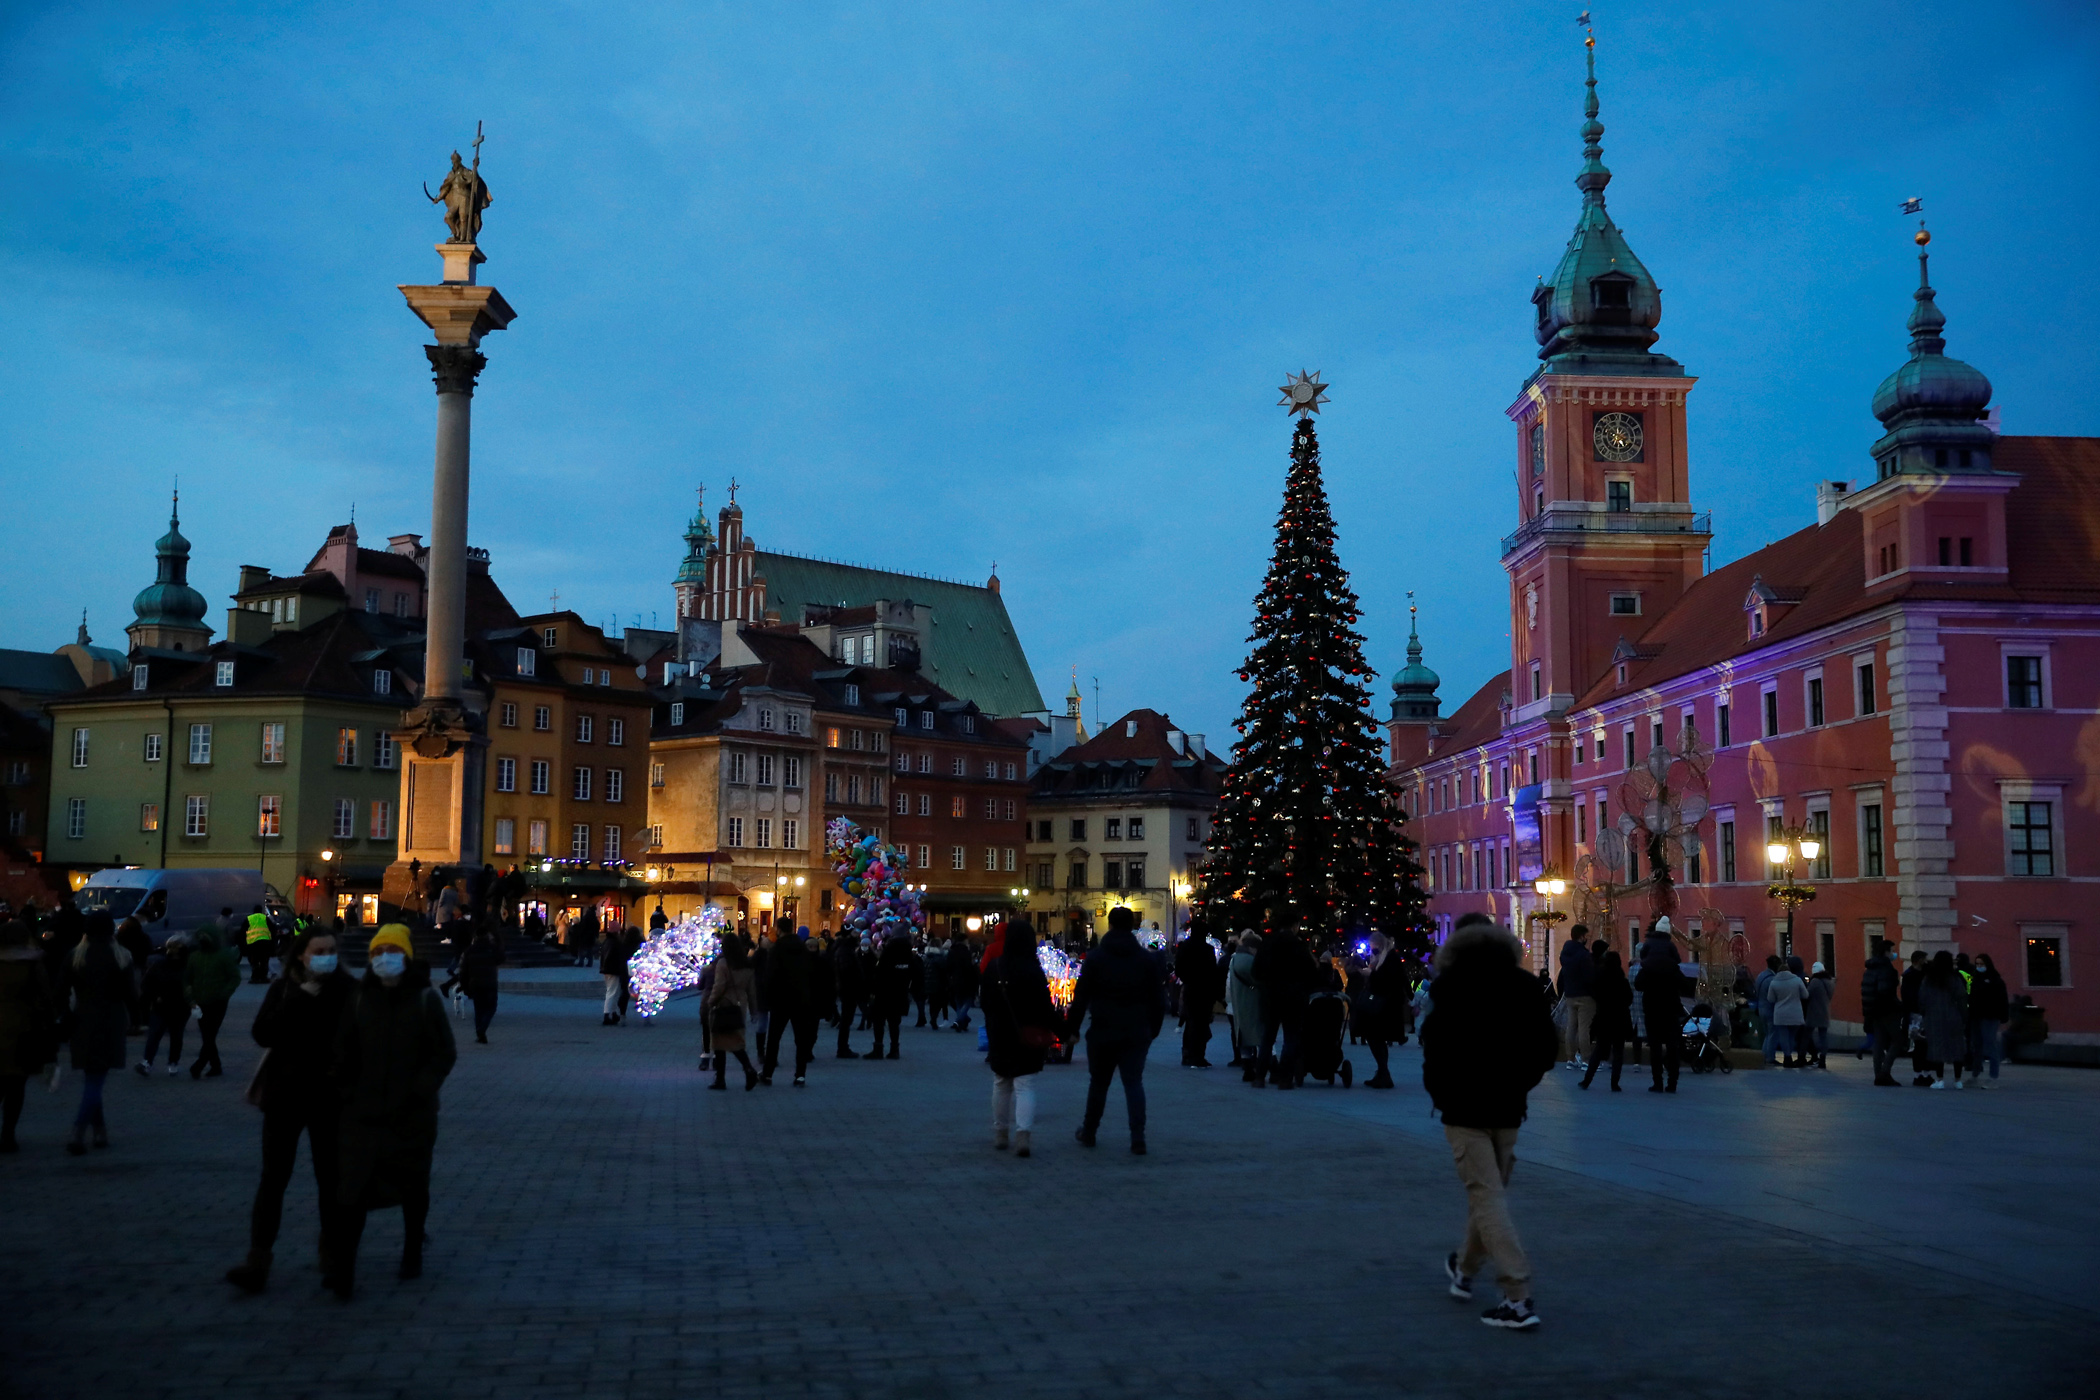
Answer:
(169, 601)
(1414, 689)
(1932, 404)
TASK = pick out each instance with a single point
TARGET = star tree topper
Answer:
(1304, 393)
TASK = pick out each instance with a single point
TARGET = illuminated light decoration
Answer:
(882, 904)
(1060, 971)
(672, 958)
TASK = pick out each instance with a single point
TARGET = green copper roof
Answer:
(1931, 400)
(1414, 689)
(1599, 312)
(970, 650)
(698, 540)
(169, 600)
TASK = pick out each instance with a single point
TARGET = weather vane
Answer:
(1916, 205)
(1303, 393)
(1589, 34)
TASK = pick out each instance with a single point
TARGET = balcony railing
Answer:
(1628, 522)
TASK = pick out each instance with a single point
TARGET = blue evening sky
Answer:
(945, 284)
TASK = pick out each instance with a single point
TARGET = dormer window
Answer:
(969, 724)
(138, 677)
(528, 661)
(853, 696)
(1625, 605)
(677, 712)
(1612, 293)
(549, 636)
(1757, 621)
(382, 682)
(224, 674)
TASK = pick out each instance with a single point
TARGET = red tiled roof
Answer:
(1073, 769)
(1476, 721)
(387, 564)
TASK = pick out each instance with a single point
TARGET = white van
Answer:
(180, 901)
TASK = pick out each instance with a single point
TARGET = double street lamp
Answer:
(1788, 843)
(1548, 885)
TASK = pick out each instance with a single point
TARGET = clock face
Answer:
(1618, 437)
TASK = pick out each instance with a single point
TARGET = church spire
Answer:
(1932, 404)
(1414, 689)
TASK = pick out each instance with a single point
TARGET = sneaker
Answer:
(1461, 1284)
(1939, 1083)
(1084, 1137)
(1516, 1316)
(171, 1074)
(1957, 1083)
(142, 1070)
(1137, 1147)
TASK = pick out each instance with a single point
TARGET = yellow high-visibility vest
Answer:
(258, 928)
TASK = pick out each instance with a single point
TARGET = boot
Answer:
(848, 1054)
(76, 1145)
(1021, 1143)
(750, 1079)
(894, 1054)
(998, 1139)
(1588, 1076)
(252, 1274)
(721, 1073)
(411, 1261)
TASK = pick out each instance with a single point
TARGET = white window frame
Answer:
(76, 819)
(677, 712)
(615, 785)
(1811, 685)
(152, 749)
(580, 783)
(609, 852)
(381, 819)
(790, 834)
(1862, 799)
(272, 742)
(200, 745)
(1769, 719)
(196, 814)
(734, 834)
(506, 836)
(958, 858)
(1866, 680)
(140, 676)
(615, 730)
(506, 775)
(541, 777)
(579, 840)
(2008, 650)
(80, 748)
(222, 675)
(586, 726)
(1631, 597)
(528, 661)
(2011, 790)
(343, 819)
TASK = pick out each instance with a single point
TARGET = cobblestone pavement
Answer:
(602, 1226)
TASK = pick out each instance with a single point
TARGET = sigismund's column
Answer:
(443, 738)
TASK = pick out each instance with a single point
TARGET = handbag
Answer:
(1034, 1037)
(726, 1019)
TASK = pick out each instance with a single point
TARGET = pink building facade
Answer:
(1914, 678)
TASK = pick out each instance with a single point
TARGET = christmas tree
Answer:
(1307, 832)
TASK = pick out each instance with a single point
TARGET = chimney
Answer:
(1196, 745)
(408, 546)
(1830, 496)
(1174, 738)
(992, 583)
(252, 576)
(1130, 729)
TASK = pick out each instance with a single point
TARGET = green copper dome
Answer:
(1598, 313)
(1932, 403)
(699, 540)
(1414, 689)
(169, 600)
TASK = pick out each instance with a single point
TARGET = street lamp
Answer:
(1548, 885)
(1787, 843)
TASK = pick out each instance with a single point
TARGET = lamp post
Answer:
(1788, 843)
(328, 880)
(1177, 891)
(1547, 886)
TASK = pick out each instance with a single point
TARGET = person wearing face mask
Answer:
(298, 1024)
(393, 1051)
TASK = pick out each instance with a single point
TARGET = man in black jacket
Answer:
(1881, 1007)
(1197, 968)
(1126, 989)
(849, 981)
(1285, 968)
(1662, 985)
(1487, 1040)
(793, 1008)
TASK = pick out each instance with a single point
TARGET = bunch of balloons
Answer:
(673, 957)
(881, 904)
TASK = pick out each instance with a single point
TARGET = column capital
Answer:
(454, 367)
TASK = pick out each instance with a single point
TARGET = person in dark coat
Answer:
(1284, 967)
(1662, 984)
(1913, 1024)
(1020, 1024)
(1576, 973)
(1486, 1042)
(1611, 1019)
(1989, 1009)
(962, 981)
(299, 1025)
(1385, 1002)
(393, 1051)
(479, 978)
(211, 977)
(131, 937)
(1196, 968)
(897, 970)
(1881, 1010)
(28, 1022)
(166, 994)
(104, 999)
(788, 993)
(1125, 989)
(1943, 1002)
(849, 982)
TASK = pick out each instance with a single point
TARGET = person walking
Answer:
(1243, 1001)
(1943, 1002)
(167, 999)
(1881, 1010)
(1125, 989)
(1487, 1042)
(789, 994)
(849, 983)
(256, 946)
(103, 999)
(1284, 967)
(1611, 1024)
(298, 1026)
(727, 1006)
(394, 1051)
(612, 971)
(962, 981)
(1815, 1013)
(1576, 973)
(1386, 998)
(1020, 1025)
(1661, 983)
(1989, 1009)
(897, 970)
(28, 1022)
(479, 977)
(1788, 994)
(1196, 967)
(210, 978)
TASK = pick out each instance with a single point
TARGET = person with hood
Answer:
(1788, 994)
(1125, 989)
(727, 1006)
(1576, 971)
(393, 1051)
(478, 976)
(1881, 1008)
(788, 992)
(849, 984)
(962, 981)
(1488, 1041)
(897, 971)
(1287, 973)
(1815, 1013)
(298, 1027)
(167, 999)
(1611, 1024)
(210, 978)
(1989, 1009)
(1386, 998)
(1020, 1025)
(1243, 1000)
(1943, 1002)
(103, 998)
(1761, 998)
(1196, 967)
(28, 1022)
(1662, 983)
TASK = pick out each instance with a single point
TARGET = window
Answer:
(616, 730)
(152, 750)
(346, 748)
(506, 775)
(1111, 828)
(765, 770)
(1618, 496)
(76, 818)
(2045, 960)
(139, 676)
(656, 775)
(1112, 875)
(1819, 823)
(765, 833)
(958, 768)
(2023, 682)
(1721, 725)
(1815, 701)
(371, 600)
(958, 806)
(382, 682)
(580, 784)
(791, 772)
(1625, 605)
(1692, 873)
(1865, 672)
(605, 678)
(958, 858)
(794, 722)
(1134, 875)
(1771, 702)
(791, 834)
(506, 836)
(991, 858)
(542, 777)
(196, 815)
(860, 740)
(831, 787)
(1726, 842)
(853, 696)
(925, 763)
(382, 821)
(272, 743)
(739, 766)
(831, 737)
(580, 841)
(903, 762)
(1195, 829)
(1627, 737)
(508, 714)
(543, 718)
(223, 674)
(925, 805)
(1009, 772)
(528, 661)
(149, 816)
(550, 637)
(969, 724)
(1538, 680)
(536, 838)
(765, 719)
(616, 785)
(200, 745)
(991, 809)
(343, 819)
(1870, 840)
(903, 805)
(925, 719)
(2029, 843)
(925, 859)
(584, 725)
(677, 712)
(1078, 829)
(382, 749)
(854, 788)
(1007, 810)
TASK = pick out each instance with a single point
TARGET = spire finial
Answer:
(84, 638)
(175, 504)
(1927, 321)
(1594, 176)
(1414, 638)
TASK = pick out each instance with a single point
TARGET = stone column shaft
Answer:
(454, 368)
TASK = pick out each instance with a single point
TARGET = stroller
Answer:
(1321, 1057)
(1700, 1053)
